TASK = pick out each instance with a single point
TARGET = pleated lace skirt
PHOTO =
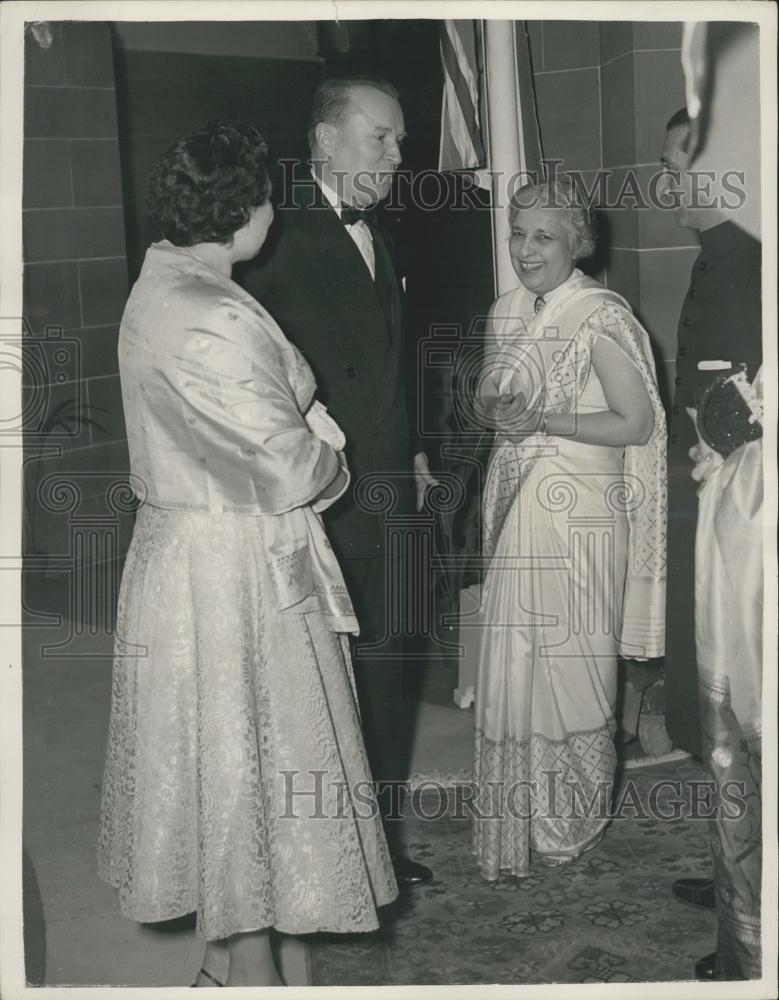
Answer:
(234, 747)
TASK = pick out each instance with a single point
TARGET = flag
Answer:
(530, 152)
(469, 104)
(461, 146)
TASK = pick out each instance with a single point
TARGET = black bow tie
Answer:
(350, 215)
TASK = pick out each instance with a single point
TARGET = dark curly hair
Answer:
(206, 186)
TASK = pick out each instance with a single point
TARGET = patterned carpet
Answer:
(608, 918)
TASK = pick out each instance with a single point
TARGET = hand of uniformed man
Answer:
(706, 459)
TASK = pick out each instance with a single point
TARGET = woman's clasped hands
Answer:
(515, 420)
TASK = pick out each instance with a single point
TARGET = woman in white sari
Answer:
(574, 530)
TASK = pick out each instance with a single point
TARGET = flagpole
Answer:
(503, 116)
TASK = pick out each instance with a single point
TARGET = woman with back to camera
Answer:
(574, 528)
(231, 680)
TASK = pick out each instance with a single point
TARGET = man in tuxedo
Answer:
(720, 326)
(332, 285)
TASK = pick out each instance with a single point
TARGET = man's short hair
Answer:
(332, 101)
(677, 119)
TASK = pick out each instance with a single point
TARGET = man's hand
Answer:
(422, 477)
(706, 461)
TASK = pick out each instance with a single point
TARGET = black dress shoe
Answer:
(409, 873)
(695, 892)
(706, 967)
(212, 980)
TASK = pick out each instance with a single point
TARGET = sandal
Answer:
(556, 860)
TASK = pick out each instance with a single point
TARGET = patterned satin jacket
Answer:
(216, 402)
(214, 395)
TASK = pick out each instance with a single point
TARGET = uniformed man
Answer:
(720, 324)
(719, 329)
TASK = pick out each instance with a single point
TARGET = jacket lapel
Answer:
(394, 318)
(342, 269)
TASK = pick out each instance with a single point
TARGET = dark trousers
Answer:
(682, 713)
(736, 837)
(377, 588)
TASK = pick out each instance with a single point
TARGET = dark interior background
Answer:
(446, 251)
(102, 100)
(162, 95)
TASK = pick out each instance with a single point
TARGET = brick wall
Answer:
(75, 287)
(651, 257)
(604, 92)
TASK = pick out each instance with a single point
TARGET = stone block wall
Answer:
(75, 288)
(604, 92)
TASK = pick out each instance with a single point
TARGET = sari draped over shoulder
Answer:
(575, 537)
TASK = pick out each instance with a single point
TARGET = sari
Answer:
(575, 537)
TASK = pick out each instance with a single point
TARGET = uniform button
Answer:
(350, 371)
(702, 266)
(686, 321)
(674, 438)
(683, 352)
(678, 380)
(676, 409)
(692, 293)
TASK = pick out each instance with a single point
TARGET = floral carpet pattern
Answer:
(608, 918)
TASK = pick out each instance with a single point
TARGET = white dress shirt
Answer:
(360, 231)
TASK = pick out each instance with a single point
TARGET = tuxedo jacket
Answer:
(314, 282)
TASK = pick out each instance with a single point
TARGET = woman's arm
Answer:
(337, 486)
(243, 414)
(629, 419)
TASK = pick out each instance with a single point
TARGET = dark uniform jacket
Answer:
(720, 321)
(316, 285)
